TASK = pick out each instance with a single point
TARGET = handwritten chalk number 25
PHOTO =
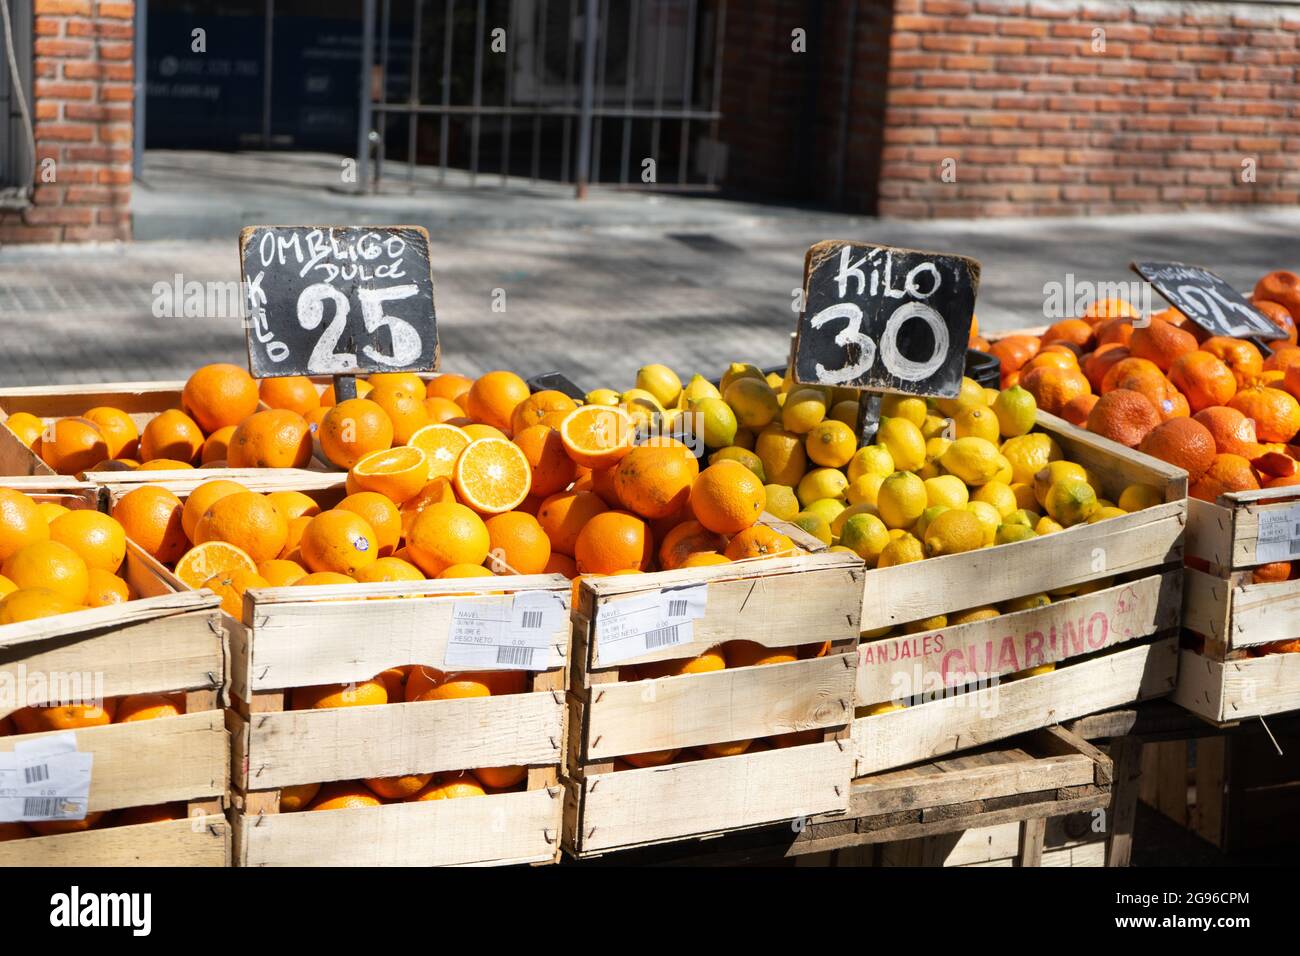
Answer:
(325, 360)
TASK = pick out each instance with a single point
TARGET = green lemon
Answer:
(1016, 411)
(828, 509)
(1070, 501)
(1011, 533)
(781, 501)
(746, 458)
(1022, 517)
(753, 401)
(715, 420)
(901, 498)
(837, 523)
(928, 515)
(866, 535)
(1053, 472)
(814, 524)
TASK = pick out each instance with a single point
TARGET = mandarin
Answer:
(218, 395)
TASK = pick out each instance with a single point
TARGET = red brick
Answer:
(49, 46)
(65, 132)
(115, 51)
(117, 11)
(53, 90)
(61, 215)
(62, 7)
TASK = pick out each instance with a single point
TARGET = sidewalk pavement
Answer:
(593, 289)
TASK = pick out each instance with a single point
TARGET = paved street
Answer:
(594, 289)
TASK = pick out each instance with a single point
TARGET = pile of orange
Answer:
(113, 710)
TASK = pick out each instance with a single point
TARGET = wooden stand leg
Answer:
(1032, 834)
(1126, 754)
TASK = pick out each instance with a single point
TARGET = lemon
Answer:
(1011, 533)
(873, 709)
(935, 447)
(1056, 471)
(866, 535)
(738, 370)
(831, 444)
(802, 410)
(946, 490)
(864, 489)
(1015, 410)
(821, 483)
(990, 396)
(896, 533)
(929, 470)
(753, 401)
(1033, 671)
(1070, 501)
(929, 514)
(846, 412)
(969, 395)
(1026, 603)
(837, 523)
(828, 509)
(871, 460)
(989, 519)
(1101, 514)
(814, 524)
(1004, 474)
(1137, 497)
(874, 633)
(781, 501)
(715, 421)
(697, 388)
(744, 438)
(978, 422)
(905, 442)
(776, 380)
(904, 406)
(973, 460)
(936, 426)
(973, 614)
(1029, 454)
(746, 458)
(901, 498)
(1022, 517)
(999, 495)
(839, 548)
(602, 396)
(661, 382)
(843, 393)
(640, 395)
(926, 624)
(1091, 587)
(1025, 496)
(1046, 525)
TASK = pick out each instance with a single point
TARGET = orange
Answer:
(381, 514)
(291, 504)
(655, 481)
(448, 386)
(1015, 350)
(118, 429)
(292, 543)
(758, 541)
(404, 407)
(1097, 364)
(753, 654)
(1226, 473)
(1114, 331)
(727, 497)
(601, 482)
(347, 795)
(558, 564)
(29, 604)
(36, 720)
(323, 579)
(97, 538)
(1110, 308)
(1232, 431)
(28, 428)
(315, 417)
(1127, 369)
(1161, 343)
(389, 569)
(492, 475)
(276, 438)
(216, 450)
(50, 510)
(296, 393)
(493, 398)
(1276, 413)
(1123, 416)
(202, 497)
(55, 827)
(501, 778)
(151, 517)
(541, 408)
(614, 541)
(552, 468)
(686, 539)
(21, 522)
(165, 464)
(171, 434)
(704, 559)
(428, 683)
(654, 758)
(280, 573)
(399, 788)
(297, 797)
(219, 395)
(1272, 573)
(442, 445)
(564, 514)
(444, 534)
(1075, 331)
(410, 381)
(517, 544)
(1239, 355)
(1283, 358)
(1183, 443)
(1281, 287)
(353, 429)
(441, 410)
(328, 399)
(230, 587)
(365, 693)
(1077, 410)
(1279, 315)
(136, 707)
(1054, 356)
(450, 788)
(466, 571)
(73, 445)
(105, 589)
(396, 473)
(199, 564)
(597, 436)
(710, 660)
(394, 681)
(248, 521)
(49, 565)
(1204, 379)
(435, 491)
(478, 430)
(340, 541)
(1053, 388)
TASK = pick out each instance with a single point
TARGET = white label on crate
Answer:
(650, 622)
(45, 779)
(1279, 535)
(508, 634)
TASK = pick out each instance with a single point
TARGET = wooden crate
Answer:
(774, 602)
(1225, 681)
(163, 642)
(1064, 841)
(1117, 645)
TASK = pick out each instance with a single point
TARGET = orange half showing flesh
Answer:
(492, 475)
(597, 436)
(442, 445)
(396, 473)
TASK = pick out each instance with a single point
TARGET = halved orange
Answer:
(492, 475)
(597, 436)
(396, 473)
(442, 445)
(200, 563)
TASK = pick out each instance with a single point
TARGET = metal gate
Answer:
(617, 92)
(16, 170)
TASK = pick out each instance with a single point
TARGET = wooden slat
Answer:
(896, 667)
(1209, 533)
(969, 720)
(1231, 691)
(639, 716)
(499, 828)
(1262, 613)
(202, 841)
(1030, 851)
(350, 743)
(156, 761)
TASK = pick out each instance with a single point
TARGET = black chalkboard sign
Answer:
(885, 319)
(1207, 300)
(338, 300)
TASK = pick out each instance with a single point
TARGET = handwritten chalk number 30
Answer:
(895, 362)
(325, 360)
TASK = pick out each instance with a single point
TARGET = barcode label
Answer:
(677, 607)
(531, 620)
(1279, 535)
(661, 637)
(36, 774)
(632, 626)
(40, 806)
(499, 631)
(516, 656)
(45, 779)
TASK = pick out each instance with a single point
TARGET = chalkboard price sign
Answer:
(885, 319)
(338, 300)
(1207, 300)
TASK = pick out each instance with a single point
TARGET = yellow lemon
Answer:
(802, 410)
(781, 501)
(946, 490)
(929, 514)
(744, 439)
(1070, 501)
(871, 460)
(999, 495)
(637, 395)
(1025, 498)
(753, 401)
(901, 499)
(988, 517)
(602, 396)
(825, 508)
(697, 388)
(969, 395)
(1026, 603)
(831, 443)
(1101, 514)
(905, 442)
(1022, 517)
(814, 524)
(1137, 497)
(837, 523)
(1046, 525)
(1015, 410)
(973, 614)
(782, 455)
(846, 412)
(744, 456)
(1056, 471)
(661, 382)
(1011, 533)
(866, 535)
(977, 422)
(935, 447)
(1004, 474)
(821, 483)
(901, 550)
(904, 406)
(864, 489)
(1029, 454)
(738, 370)
(953, 532)
(926, 624)
(973, 460)
(1033, 671)
(935, 426)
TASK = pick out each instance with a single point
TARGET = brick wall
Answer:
(83, 75)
